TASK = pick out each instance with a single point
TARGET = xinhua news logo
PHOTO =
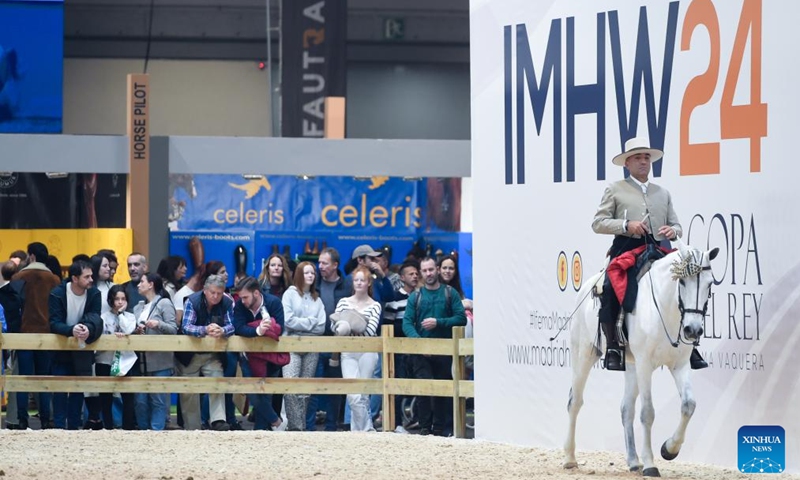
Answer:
(762, 449)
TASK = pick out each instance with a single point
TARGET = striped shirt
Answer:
(372, 313)
(395, 310)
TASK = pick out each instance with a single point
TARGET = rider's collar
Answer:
(643, 186)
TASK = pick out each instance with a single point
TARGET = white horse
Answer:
(668, 318)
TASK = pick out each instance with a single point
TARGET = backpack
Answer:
(448, 309)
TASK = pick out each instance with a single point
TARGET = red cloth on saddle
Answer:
(617, 271)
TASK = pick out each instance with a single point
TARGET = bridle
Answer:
(681, 269)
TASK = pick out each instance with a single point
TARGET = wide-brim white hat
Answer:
(637, 145)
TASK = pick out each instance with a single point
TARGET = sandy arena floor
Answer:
(178, 455)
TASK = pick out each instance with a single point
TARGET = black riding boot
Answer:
(696, 360)
(613, 359)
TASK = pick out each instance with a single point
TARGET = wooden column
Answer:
(459, 403)
(334, 117)
(389, 399)
(138, 131)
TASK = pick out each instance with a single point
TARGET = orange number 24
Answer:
(736, 121)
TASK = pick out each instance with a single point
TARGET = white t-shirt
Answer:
(104, 287)
(170, 288)
(145, 313)
(75, 306)
(180, 296)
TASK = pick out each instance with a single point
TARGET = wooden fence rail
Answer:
(388, 386)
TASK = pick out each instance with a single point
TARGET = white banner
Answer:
(557, 87)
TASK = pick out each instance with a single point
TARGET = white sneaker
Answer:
(281, 427)
(401, 429)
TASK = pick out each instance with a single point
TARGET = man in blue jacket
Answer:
(74, 312)
(253, 304)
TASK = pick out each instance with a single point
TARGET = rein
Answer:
(569, 318)
(687, 270)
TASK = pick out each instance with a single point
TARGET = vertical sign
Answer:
(138, 205)
(335, 119)
(313, 54)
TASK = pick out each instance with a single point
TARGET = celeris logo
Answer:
(762, 449)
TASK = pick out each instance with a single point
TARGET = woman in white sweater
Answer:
(361, 364)
(304, 315)
(116, 321)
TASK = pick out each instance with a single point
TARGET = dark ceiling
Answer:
(435, 30)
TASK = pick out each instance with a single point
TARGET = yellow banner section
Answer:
(66, 243)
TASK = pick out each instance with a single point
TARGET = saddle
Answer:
(623, 274)
(625, 271)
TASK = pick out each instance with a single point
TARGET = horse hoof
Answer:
(651, 472)
(570, 465)
(636, 468)
(665, 453)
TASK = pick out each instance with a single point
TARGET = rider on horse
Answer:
(637, 212)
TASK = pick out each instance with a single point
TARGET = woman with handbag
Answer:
(305, 316)
(259, 314)
(364, 319)
(156, 317)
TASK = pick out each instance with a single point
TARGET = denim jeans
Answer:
(152, 408)
(261, 403)
(67, 407)
(376, 400)
(34, 362)
(330, 404)
(232, 359)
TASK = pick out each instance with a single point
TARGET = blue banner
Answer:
(306, 245)
(31, 66)
(375, 205)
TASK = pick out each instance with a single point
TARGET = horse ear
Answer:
(713, 253)
(682, 248)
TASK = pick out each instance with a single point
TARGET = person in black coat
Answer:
(74, 312)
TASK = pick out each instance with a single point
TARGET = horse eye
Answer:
(682, 282)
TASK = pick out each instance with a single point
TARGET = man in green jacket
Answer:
(432, 312)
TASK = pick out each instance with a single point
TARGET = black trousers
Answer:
(129, 401)
(609, 304)
(435, 413)
(401, 370)
(101, 406)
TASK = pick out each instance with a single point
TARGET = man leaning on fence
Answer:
(207, 313)
(74, 312)
(432, 312)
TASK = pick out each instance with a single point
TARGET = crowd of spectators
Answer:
(420, 297)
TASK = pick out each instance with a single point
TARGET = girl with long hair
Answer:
(304, 315)
(173, 272)
(362, 364)
(449, 273)
(275, 277)
(101, 277)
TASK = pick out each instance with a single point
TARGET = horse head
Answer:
(692, 270)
